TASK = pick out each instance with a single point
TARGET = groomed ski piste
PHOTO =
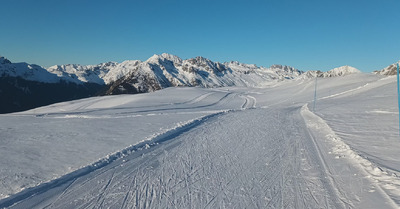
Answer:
(209, 148)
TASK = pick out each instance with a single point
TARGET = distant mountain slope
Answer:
(389, 70)
(24, 86)
(26, 71)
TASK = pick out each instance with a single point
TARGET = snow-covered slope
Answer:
(230, 147)
(389, 70)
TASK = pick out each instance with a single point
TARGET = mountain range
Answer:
(24, 86)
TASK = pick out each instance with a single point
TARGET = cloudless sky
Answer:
(308, 34)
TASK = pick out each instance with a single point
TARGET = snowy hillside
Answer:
(229, 147)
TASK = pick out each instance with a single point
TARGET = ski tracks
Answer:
(250, 101)
(258, 158)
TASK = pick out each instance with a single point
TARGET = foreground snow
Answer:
(209, 148)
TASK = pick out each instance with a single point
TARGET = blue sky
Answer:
(308, 35)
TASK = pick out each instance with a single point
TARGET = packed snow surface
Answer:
(231, 147)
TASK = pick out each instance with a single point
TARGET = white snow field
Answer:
(209, 148)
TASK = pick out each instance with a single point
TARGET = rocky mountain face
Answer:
(389, 70)
(24, 86)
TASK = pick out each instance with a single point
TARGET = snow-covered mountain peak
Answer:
(154, 59)
(346, 68)
(342, 71)
(284, 68)
(128, 63)
(200, 61)
(163, 58)
(171, 57)
(290, 72)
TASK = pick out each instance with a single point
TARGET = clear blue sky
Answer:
(308, 34)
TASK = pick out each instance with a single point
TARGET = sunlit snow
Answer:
(231, 147)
